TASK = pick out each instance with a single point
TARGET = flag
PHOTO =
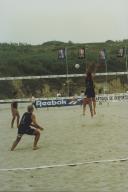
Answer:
(121, 52)
(81, 53)
(102, 56)
(61, 53)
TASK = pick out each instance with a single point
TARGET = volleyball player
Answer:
(29, 126)
(90, 90)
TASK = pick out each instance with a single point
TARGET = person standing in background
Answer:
(15, 112)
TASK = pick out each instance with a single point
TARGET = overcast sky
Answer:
(81, 21)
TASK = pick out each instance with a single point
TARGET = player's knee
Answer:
(90, 106)
(18, 116)
(13, 118)
(37, 132)
(93, 99)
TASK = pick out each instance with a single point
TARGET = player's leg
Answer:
(36, 139)
(33, 131)
(91, 108)
(13, 119)
(94, 105)
(15, 143)
(18, 118)
(84, 106)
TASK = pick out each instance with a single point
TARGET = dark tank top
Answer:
(89, 84)
(26, 120)
(90, 91)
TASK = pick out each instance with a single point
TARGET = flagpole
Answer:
(104, 57)
(106, 66)
(85, 54)
(66, 58)
(126, 62)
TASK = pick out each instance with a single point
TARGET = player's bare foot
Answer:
(35, 148)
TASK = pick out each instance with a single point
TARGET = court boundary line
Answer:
(64, 165)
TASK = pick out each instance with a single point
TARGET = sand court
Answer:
(69, 138)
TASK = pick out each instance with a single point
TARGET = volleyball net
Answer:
(71, 85)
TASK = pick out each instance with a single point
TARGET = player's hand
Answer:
(41, 128)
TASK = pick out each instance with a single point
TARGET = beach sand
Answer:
(68, 137)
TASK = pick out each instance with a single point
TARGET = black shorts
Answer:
(26, 130)
(90, 93)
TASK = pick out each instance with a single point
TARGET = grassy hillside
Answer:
(23, 59)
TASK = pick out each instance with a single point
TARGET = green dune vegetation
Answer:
(18, 59)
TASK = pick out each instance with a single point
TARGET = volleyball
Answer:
(77, 66)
